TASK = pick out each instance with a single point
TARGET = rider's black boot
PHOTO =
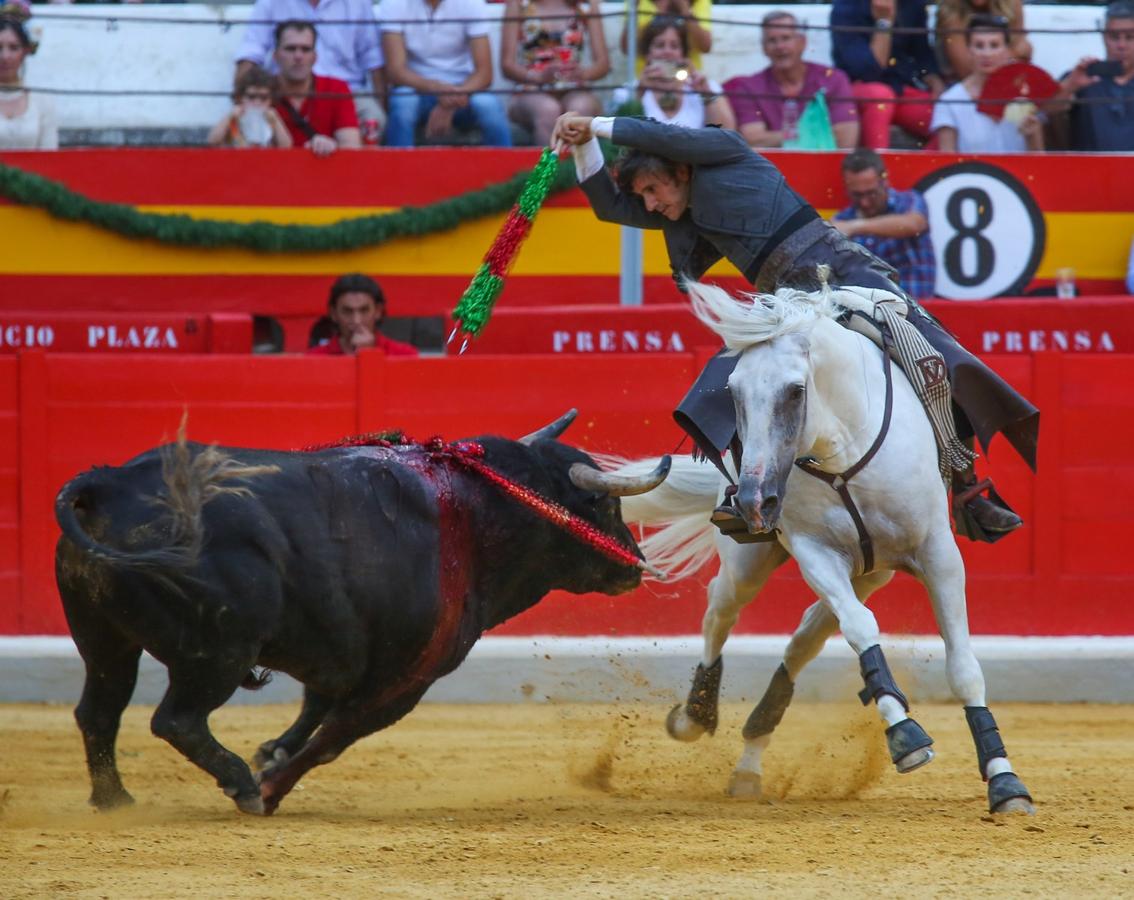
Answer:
(981, 518)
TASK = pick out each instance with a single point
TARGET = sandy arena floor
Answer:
(548, 801)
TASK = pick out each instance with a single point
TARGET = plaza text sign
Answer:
(124, 333)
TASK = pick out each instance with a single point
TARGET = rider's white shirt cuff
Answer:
(588, 158)
(603, 126)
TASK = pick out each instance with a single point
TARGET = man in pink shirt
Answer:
(356, 308)
(769, 103)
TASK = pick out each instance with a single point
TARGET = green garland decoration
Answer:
(29, 189)
(475, 306)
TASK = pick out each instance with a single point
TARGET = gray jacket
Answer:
(740, 206)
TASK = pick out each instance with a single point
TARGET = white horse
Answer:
(813, 394)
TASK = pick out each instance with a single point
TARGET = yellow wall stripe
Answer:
(565, 241)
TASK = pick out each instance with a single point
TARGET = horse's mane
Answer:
(748, 319)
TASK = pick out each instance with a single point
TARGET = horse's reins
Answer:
(838, 480)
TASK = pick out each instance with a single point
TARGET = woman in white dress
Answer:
(957, 122)
(27, 120)
(671, 90)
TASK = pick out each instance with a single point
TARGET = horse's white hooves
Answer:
(914, 760)
(680, 727)
(1021, 805)
(744, 785)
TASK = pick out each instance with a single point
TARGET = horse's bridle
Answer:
(838, 480)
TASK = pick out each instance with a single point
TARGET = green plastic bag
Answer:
(814, 130)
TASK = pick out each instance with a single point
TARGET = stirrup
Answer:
(966, 523)
(730, 523)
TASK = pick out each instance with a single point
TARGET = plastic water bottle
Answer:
(1065, 284)
(790, 128)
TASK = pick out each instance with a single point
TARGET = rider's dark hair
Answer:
(633, 163)
(355, 283)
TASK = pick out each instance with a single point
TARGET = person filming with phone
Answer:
(670, 88)
(1102, 115)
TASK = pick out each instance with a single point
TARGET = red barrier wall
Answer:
(1067, 572)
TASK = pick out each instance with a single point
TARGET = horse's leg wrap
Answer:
(772, 706)
(701, 705)
(905, 738)
(986, 736)
(1004, 787)
(878, 679)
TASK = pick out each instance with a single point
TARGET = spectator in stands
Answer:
(953, 18)
(543, 46)
(696, 15)
(884, 64)
(252, 122)
(27, 118)
(438, 64)
(671, 89)
(891, 224)
(1102, 117)
(958, 123)
(348, 50)
(316, 109)
(769, 103)
(356, 307)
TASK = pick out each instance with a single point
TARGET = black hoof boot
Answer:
(910, 746)
(700, 707)
(1007, 794)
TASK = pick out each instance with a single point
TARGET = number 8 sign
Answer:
(988, 233)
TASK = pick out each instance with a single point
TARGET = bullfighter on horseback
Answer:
(712, 196)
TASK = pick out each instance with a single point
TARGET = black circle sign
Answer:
(988, 232)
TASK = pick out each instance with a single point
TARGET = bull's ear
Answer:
(552, 431)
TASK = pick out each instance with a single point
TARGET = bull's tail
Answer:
(191, 481)
(681, 538)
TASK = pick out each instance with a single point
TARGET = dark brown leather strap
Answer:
(838, 480)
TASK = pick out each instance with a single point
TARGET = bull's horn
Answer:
(551, 432)
(588, 479)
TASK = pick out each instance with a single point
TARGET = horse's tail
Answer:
(681, 539)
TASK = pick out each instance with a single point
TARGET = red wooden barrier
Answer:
(1067, 572)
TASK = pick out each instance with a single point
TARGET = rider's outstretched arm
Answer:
(695, 146)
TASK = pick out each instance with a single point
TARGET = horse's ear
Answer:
(801, 340)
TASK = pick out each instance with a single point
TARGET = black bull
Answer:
(366, 573)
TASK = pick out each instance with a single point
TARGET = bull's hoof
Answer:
(268, 755)
(910, 747)
(680, 727)
(253, 804)
(1007, 794)
(745, 785)
(111, 800)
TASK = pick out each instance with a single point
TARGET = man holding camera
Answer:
(1102, 117)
